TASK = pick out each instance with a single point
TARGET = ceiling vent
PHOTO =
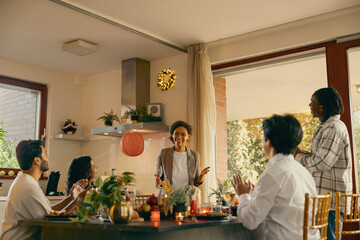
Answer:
(80, 47)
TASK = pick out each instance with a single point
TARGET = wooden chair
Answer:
(351, 213)
(317, 210)
(140, 199)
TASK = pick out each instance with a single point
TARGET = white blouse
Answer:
(180, 172)
(278, 200)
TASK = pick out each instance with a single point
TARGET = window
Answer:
(257, 91)
(22, 116)
(341, 59)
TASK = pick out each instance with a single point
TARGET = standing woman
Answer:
(180, 164)
(82, 167)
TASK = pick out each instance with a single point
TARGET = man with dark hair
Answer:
(26, 200)
(330, 158)
(278, 198)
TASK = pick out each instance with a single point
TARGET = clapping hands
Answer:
(240, 186)
(78, 189)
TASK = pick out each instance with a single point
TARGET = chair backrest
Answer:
(351, 213)
(140, 199)
(316, 214)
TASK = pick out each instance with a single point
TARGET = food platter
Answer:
(59, 218)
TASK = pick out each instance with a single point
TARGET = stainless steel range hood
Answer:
(135, 93)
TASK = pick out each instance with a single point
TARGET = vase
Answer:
(108, 123)
(134, 119)
(180, 207)
(120, 213)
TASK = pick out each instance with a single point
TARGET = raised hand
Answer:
(240, 186)
(205, 171)
(78, 188)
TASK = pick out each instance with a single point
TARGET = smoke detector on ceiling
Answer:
(80, 47)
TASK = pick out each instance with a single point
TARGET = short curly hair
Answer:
(177, 124)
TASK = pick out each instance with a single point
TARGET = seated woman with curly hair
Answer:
(82, 167)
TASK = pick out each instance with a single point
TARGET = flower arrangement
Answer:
(69, 126)
(109, 118)
(175, 197)
(222, 187)
(108, 193)
(164, 86)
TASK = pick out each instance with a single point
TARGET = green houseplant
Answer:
(140, 115)
(222, 187)
(108, 198)
(109, 118)
(69, 126)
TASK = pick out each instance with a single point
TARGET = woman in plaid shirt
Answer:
(330, 158)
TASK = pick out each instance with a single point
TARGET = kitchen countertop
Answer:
(3, 198)
(95, 229)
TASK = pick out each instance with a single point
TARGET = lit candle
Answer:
(193, 208)
(155, 216)
(179, 216)
(204, 211)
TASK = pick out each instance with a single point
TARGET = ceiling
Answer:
(34, 31)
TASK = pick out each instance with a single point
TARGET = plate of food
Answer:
(58, 216)
(212, 216)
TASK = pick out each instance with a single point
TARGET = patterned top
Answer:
(330, 158)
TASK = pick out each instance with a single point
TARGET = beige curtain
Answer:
(202, 112)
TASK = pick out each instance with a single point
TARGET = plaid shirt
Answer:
(330, 158)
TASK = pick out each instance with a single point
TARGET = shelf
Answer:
(70, 137)
(141, 127)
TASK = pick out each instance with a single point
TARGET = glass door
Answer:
(354, 84)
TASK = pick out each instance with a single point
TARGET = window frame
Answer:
(43, 103)
(337, 77)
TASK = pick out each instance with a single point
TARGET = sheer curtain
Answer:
(202, 111)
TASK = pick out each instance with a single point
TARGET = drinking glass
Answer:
(228, 198)
(131, 193)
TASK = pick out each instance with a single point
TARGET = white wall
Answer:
(103, 91)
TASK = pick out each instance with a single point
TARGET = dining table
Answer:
(165, 229)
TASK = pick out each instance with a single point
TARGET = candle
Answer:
(155, 216)
(193, 208)
(204, 211)
(179, 216)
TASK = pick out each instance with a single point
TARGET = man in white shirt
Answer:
(278, 198)
(26, 200)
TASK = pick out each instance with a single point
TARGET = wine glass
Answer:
(228, 198)
(131, 193)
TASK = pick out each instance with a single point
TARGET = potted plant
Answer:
(177, 200)
(133, 114)
(140, 115)
(69, 127)
(109, 118)
(108, 198)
